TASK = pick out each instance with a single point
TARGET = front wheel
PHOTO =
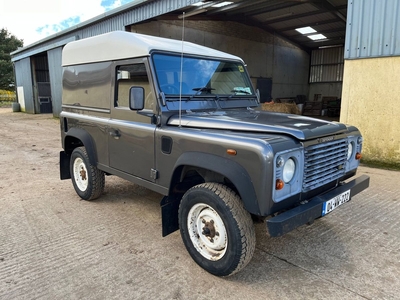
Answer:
(88, 181)
(216, 229)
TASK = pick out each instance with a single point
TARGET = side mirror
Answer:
(136, 98)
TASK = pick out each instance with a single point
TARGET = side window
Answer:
(128, 76)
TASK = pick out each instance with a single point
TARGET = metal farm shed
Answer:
(328, 60)
(38, 70)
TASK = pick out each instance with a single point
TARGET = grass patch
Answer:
(6, 103)
(394, 166)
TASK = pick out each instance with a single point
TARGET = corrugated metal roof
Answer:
(282, 17)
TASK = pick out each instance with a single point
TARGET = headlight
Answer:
(288, 173)
(349, 150)
(288, 170)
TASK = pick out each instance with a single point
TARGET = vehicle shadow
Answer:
(308, 252)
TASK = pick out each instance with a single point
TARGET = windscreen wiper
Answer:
(202, 89)
(240, 91)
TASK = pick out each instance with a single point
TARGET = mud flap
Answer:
(64, 166)
(169, 215)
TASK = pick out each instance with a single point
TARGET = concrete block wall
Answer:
(371, 101)
(266, 55)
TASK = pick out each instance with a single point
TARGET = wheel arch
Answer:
(77, 137)
(238, 177)
(227, 168)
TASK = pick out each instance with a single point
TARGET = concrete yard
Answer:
(55, 246)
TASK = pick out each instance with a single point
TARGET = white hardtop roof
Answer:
(123, 45)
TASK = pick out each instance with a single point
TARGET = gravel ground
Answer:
(55, 246)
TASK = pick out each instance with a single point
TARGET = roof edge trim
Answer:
(16, 57)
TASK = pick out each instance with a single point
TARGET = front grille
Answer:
(324, 163)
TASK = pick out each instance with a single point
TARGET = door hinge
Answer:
(153, 174)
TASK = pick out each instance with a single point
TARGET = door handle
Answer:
(115, 133)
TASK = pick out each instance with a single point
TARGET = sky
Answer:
(32, 21)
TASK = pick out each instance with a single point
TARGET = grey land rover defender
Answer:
(182, 120)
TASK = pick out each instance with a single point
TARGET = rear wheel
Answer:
(88, 181)
(216, 229)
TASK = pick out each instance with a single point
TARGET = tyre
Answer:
(216, 229)
(88, 181)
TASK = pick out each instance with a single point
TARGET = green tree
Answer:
(8, 44)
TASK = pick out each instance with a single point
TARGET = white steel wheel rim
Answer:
(80, 174)
(207, 231)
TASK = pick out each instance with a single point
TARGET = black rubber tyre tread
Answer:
(241, 220)
(95, 176)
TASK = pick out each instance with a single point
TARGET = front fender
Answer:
(229, 169)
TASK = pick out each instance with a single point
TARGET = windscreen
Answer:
(194, 76)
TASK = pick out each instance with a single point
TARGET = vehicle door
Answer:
(131, 133)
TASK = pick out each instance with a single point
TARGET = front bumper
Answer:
(306, 213)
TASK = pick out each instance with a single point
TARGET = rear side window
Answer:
(88, 85)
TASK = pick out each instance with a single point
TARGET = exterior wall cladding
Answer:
(373, 29)
(370, 98)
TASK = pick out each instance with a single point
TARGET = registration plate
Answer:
(335, 202)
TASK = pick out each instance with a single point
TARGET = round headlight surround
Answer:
(350, 150)
(289, 170)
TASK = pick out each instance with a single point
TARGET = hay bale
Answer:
(287, 108)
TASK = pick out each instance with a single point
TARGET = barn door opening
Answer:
(41, 83)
